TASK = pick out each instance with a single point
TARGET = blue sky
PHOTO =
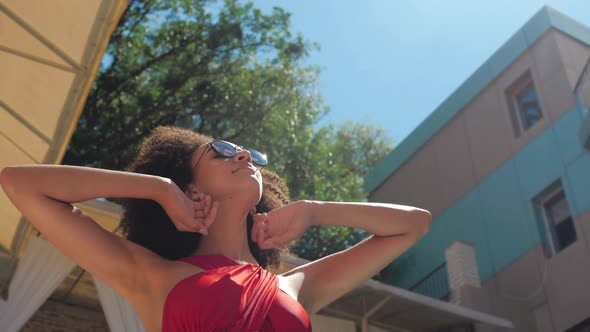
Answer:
(391, 63)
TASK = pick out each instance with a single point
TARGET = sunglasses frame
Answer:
(218, 151)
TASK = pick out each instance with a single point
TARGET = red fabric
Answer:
(229, 296)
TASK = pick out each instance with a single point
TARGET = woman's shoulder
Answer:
(160, 278)
(167, 273)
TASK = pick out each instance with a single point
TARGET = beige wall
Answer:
(480, 137)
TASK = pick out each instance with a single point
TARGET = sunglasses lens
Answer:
(258, 157)
(224, 148)
(228, 150)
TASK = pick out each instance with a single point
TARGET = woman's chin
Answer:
(250, 186)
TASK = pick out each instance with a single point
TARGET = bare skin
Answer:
(228, 191)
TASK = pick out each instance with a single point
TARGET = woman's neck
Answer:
(228, 236)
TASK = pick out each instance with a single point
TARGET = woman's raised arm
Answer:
(44, 193)
(395, 228)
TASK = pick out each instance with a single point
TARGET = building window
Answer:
(558, 224)
(524, 104)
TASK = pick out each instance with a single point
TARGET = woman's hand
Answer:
(189, 215)
(281, 226)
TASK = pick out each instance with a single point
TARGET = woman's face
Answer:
(223, 177)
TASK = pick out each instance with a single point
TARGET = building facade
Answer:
(503, 164)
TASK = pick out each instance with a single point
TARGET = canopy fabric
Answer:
(119, 313)
(50, 52)
(39, 271)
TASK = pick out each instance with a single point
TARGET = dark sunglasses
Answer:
(228, 150)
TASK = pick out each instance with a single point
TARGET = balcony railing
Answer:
(435, 284)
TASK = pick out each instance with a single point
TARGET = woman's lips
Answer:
(247, 167)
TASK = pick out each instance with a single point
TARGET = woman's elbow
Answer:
(12, 180)
(5, 178)
(421, 219)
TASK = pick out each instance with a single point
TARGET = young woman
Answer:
(202, 221)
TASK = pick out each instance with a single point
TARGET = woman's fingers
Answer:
(191, 227)
(198, 204)
(255, 230)
(207, 205)
(211, 214)
(260, 239)
(278, 240)
(197, 225)
(269, 244)
(259, 228)
(203, 214)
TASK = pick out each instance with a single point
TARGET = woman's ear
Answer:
(191, 191)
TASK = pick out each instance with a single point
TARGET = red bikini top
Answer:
(229, 296)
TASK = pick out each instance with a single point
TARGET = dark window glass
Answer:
(560, 221)
(528, 106)
(565, 233)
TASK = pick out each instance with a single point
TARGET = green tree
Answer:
(332, 168)
(226, 69)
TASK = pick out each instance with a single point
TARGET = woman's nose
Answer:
(244, 154)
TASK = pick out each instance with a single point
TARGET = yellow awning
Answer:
(50, 52)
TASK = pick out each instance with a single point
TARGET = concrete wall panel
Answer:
(543, 319)
(574, 56)
(546, 55)
(425, 186)
(566, 131)
(569, 293)
(523, 280)
(578, 173)
(396, 188)
(555, 94)
(489, 133)
(522, 65)
(583, 225)
(538, 164)
(455, 167)
(509, 228)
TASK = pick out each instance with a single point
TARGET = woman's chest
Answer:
(233, 298)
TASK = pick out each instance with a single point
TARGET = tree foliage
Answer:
(229, 70)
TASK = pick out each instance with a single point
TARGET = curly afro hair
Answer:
(167, 152)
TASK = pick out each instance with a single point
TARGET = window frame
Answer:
(548, 224)
(520, 84)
